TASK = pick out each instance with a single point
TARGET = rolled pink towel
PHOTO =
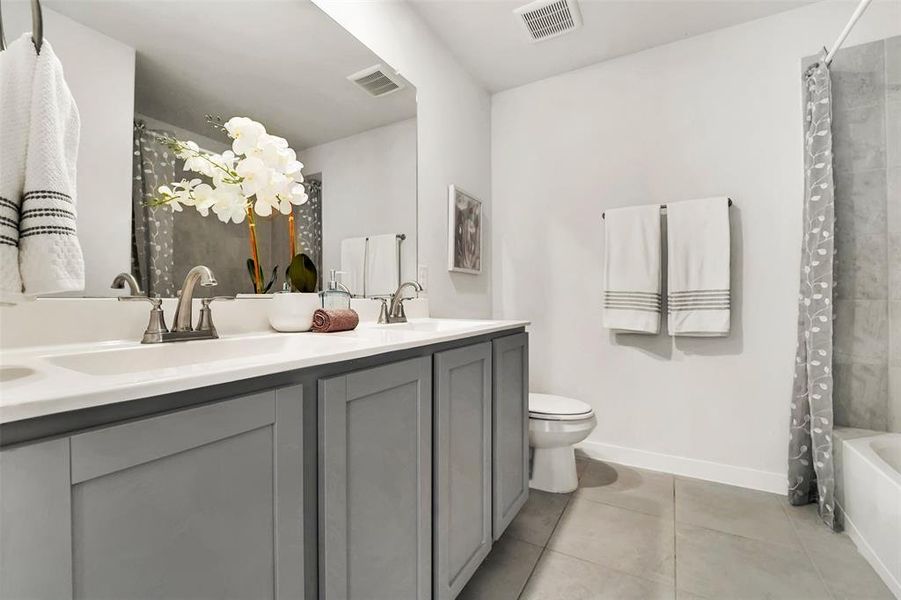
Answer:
(338, 319)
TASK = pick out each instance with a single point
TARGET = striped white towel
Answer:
(698, 244)
(50, 258)
(632, 269)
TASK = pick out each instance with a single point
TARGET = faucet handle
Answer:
(156, 326)
(206, 314)
(383, 310)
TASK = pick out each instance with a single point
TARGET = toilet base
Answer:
(554, 470)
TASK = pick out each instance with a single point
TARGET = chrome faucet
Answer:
(126, 279)
(157, 332)
(186, 298)
(394, 312)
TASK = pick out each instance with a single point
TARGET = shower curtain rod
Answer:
(844, 34)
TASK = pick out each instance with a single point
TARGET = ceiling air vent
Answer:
(377, 81)
(546, 19)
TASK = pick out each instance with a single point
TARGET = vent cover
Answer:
(377, 81)
(546, 19)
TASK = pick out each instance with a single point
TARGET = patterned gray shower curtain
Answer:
(152, 259)
(810, 467)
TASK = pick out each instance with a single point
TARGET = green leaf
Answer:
(303, 274)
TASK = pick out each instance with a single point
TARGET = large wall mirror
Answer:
(145, 72)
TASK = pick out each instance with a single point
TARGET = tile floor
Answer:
(629, 533)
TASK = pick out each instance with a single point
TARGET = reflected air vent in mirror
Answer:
(377, 81)
(546, 19)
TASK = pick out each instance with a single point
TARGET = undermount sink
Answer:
(12, 373)
(136, 359)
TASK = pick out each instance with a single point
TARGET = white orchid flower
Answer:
(230, 204)
(194, 159)
(204, 199)
(298, 195)
(245, 133)
(255, 175)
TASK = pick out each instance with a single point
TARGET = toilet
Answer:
(556, 423)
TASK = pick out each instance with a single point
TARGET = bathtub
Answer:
(869, 495)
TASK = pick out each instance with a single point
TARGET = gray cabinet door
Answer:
(511, 428)
(199, 503)
(35, 526)
(375, 452)
(462, 465)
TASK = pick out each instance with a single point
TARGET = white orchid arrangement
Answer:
(261, 172)
(259, 175)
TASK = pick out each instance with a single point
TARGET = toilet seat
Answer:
(547, 407)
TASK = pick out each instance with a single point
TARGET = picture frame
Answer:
(464, 235)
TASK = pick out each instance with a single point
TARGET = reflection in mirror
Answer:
(150, 76)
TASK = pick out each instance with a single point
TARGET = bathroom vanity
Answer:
(378, 463)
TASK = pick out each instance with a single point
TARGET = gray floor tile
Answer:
(812, 531)
(683, 595)
(581, 463)
(647, 492)
(621, 539)
(713, 564)
(735, 510)
(504, 572)
(848, 575)
(539, 515)
(561, 577)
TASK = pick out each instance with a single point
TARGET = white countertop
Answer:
(41, 381)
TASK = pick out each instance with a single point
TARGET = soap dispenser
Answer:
(336, 295)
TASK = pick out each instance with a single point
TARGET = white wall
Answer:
(718, 114)
(368, 188)
(454, 140)
(101, 74)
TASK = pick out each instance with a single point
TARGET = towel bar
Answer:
(662, 209)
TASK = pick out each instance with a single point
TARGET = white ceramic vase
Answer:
(290, 312)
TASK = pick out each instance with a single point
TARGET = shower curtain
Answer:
(152, 258)
(810, 469)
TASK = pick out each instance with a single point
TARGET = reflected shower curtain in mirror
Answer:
(810, 468)
(152, 228)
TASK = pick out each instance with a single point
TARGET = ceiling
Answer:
(282, 63)
(490, 43)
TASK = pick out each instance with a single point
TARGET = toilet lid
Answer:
(557, 408)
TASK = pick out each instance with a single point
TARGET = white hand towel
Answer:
(50, 258)
(699, 267)
(17, 64)
(382, 263)
(632, 269)
(353, 255)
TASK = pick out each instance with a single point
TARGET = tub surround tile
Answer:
(714, 564)
(860, 204)
(894, 399)
(734, 510)
(643, 491)
(539, 515)
(859, 138)
(861, 396)
(893, 199)
(893, 68)
(861, 332)
(858, 75)
(559, 576)
(617, 538)
(894, 261)
(894, 312)
(504, 573)
(892, 134)
(861, 269)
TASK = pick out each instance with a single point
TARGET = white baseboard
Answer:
(687, 467)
